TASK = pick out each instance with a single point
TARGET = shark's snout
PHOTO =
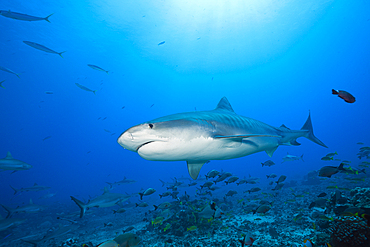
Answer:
(126, 141)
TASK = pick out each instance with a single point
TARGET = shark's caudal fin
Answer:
(110, 185)
(15, 190)
(310, 136)
(9, 210)
(81, 205)
(163, 183)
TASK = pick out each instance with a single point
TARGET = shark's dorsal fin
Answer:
(9, 156)
(106, 190)
(35, 184)
(31, 202)
(224, 104)
(284, 127)
(194, 168)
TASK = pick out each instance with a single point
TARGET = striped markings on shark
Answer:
(219, 134)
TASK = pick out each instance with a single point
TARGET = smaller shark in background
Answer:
(11, 164)
(123, 181)
(289, 157)
(35, 187)
(30, 208)
(62, 230)
(105, 200)
(9, 223)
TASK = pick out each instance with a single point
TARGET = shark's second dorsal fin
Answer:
(9, 156)
(224, 104)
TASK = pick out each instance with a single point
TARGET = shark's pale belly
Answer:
(204, 149)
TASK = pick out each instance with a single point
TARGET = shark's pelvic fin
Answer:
(9, 210)
(271, 151)
(310, 136)
(194, 168)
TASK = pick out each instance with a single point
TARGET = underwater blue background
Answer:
(274, 60)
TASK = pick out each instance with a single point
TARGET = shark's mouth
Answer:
(143, 145)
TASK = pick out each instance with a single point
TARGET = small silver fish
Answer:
(85, 88)
(23, 17)
(42, 48)
(9, 71)
(97, 68)
(48, 137)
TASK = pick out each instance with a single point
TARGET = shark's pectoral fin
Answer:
(194, 168)
(291, 143)
(271, 151)
(232, 143)
(245, 136)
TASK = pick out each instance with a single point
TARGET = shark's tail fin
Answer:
(310, 136)
(9, 210)
(47, 17)
(15, 190)
(110, 185)
(163, 183)
(82, 206)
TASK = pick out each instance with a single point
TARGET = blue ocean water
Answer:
(275, 61)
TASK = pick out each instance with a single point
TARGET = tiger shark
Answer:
(219, 134)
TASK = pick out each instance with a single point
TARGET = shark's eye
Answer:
(151, 126)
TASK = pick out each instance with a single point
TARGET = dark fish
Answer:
(344, 95)
(151, 106)
(328, 171)
(281, 179)
(48, 137)
(161, 43)
(268, 163)
(322, 194)
(312, 204)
